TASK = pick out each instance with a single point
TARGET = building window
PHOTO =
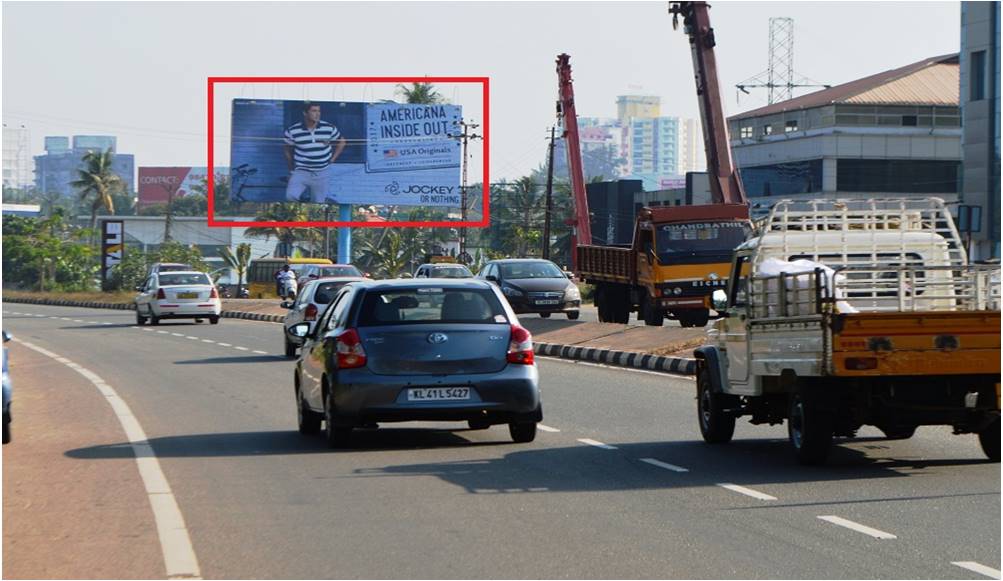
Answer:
(908, 121)
(906, 176)
(767, 130)
(783, 179)
(791, 126)
(977, 76)
(745, 132)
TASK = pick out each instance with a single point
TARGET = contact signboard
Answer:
(331, 152)
(158, 185)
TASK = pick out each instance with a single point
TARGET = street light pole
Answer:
(464, 138)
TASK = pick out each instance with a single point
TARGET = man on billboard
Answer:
(311, 146)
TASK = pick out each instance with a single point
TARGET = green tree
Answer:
(46, 254)
(97, 182)
(287, 236)
(420, 93)
(135, 265)
(238, 261)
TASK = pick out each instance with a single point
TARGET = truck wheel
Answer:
(621, 312)
(602, 303)
(809, 430)
(716, 427)
(989, 438)
(693, 318)
(652, 315)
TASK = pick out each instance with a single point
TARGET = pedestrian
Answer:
(311, 146)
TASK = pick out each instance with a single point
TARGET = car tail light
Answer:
(349, 350)
(310, 314)
(161, 294)
(213, 294)
(520, 347)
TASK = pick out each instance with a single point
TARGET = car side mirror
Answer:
(139, 289)
(491, 277)
(7, 336)
(301, 330)
(719, 300)
(286, 305)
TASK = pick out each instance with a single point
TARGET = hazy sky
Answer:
(138, 70)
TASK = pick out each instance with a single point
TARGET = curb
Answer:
(632, 359)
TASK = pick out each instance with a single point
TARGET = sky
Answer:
(138, 69)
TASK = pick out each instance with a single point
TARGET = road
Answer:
(619, 486)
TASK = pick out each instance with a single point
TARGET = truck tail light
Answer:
(349, 350)
(310, 314)
(520, 347)
(161, 294)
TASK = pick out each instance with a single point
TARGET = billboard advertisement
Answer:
(158, 184)
(112, 244)
(332, 152)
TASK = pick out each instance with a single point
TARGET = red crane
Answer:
(566, 112)
(725, 183)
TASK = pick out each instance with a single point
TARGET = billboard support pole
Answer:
(344, 234)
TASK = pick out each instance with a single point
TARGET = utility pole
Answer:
(327, 231)
(464, 138)
(550, 199)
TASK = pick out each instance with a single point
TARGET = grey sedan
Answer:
(409, 350)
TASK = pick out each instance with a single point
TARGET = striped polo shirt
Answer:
(312, 149)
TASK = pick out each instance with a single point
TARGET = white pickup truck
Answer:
(841, 313)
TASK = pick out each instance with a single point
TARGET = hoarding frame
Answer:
(485, 181)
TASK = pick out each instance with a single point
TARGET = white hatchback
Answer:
(313, 299)
(177, 295)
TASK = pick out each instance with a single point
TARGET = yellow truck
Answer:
(844, 313)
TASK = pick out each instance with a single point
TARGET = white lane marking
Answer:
(547, 428)
(242, 348)
(596, 444)
(148, 330)
(190, 337)
(178, 334)
(208, 341)
(65, 319)
(163, 332)
(980, 569)
(665, 465)
(616, 367)
(175, 544)
(53, 317)
(747, 491)
(77, 321)
(260, 352)
(858, 527)
(224, 345)
(106, 323)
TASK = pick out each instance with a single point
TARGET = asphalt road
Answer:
(622, 487)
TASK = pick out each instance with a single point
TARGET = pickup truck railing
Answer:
(875, 288)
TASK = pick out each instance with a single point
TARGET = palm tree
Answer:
(522, 213)
(97, 180)
(287, 236)
(420, 93)
(238, 261)
(391, 254)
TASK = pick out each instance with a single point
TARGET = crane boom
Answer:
(566, 112)
(725, 183)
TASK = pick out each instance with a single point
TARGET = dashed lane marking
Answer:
(597, 444)
(260, 352)
(747, 491)
(224, 345)
(547, 428)
(980, 569)
(208, 341)
(192, 338)
(665, 465)
(175, 543)
(178, 334)
(242, 348)
(839, 521)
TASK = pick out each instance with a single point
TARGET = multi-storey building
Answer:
(57, 167)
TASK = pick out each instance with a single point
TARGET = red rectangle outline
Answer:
(485, 87)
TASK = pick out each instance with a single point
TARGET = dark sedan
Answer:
(534, 286)
(409, 350)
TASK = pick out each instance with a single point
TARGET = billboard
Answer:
(112, 244)
(157, 184)
(333, 152)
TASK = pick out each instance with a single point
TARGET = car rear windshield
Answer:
(173, 267)
(326, 291)
(177, 279)
(451, 272)
(339, 271)
(530, 270)
(430, 305)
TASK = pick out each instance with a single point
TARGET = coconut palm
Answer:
(97, 182)
(420, 93)
(286, 235)
(238, 261)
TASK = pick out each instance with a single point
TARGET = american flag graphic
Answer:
(388, 153)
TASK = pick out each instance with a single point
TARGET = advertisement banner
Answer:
(328, 152)
(158, 184)
(112, 246)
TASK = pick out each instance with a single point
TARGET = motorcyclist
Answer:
(285, 278)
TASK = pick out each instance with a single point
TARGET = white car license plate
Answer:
(188, 295)
(547, 302)
(438, 394)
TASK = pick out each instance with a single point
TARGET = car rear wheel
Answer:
(336, 436)
(522, 432)
(290, 349)
(573, 315)
(140, 319)
(716, 426)
(214, 320)
(307, 420)
(6, 429)
(989, 438)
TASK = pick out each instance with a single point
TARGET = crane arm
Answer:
(566, 113)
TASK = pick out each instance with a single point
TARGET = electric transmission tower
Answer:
(779, 79)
